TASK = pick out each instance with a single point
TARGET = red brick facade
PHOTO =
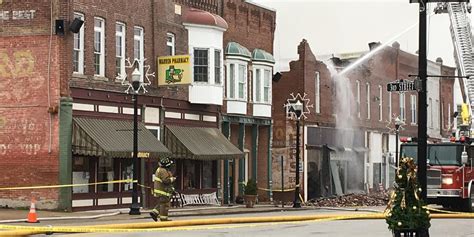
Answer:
(383, 67)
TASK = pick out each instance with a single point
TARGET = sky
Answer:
(347, 26)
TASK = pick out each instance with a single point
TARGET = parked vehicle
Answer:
(450, 172)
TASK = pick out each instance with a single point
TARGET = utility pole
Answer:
(422, 101)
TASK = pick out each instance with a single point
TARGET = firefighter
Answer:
(163, 190)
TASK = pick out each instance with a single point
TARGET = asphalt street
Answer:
(440, 228)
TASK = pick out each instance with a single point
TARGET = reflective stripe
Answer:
(157, 179)
(157, 191)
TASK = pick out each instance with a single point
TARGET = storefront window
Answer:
(189, 175)
(80, 174)
(126, 173)
(207, 174)
(105, 172)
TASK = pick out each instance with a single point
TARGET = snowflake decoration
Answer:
(391, 124)
(303, 100)
(128, 83)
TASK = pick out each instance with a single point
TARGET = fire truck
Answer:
(450, 172)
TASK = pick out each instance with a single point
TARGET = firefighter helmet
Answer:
(165, 162)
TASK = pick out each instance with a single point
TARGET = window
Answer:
(258, 84)
(317, 94)
(358, 98)
(266, 86)
(217, 66)
(449, 116)
(99, 46)
(413, 108)
(231, 92)
(237, 81)
(120, 48)
(368, 99)
(78, 51)
(390, 107)
(138, 48)
(242, 81)
(402, 107)
(201, 62)
(380, 103)
(170, 43)
(262, 84)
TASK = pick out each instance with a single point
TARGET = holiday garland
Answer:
(405, 209)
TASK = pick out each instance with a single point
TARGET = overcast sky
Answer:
(345, 26)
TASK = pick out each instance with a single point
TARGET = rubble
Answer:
(352, 200)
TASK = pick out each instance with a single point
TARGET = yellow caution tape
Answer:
(70, 185)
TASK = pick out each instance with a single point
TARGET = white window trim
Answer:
(413, 109)
(402, 107)
(80, 35)
(367, 87)
(390, 107)
(140, 38)
(220, 66)
(101, 30)
(358, 98)
(262, 83)
(123, 36)
(430, 106)
(449, 116)
(380, 103)
(236, 64)
(317, 92)
(171, 44)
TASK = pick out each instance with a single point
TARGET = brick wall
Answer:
(31, 84)
(24, 119)
(249, 25)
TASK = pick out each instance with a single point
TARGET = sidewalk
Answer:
(17, 216)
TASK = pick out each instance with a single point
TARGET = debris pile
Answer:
(352, 200)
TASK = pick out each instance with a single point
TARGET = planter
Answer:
(411, 233)
(250, 200)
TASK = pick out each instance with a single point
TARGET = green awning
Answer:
(235, 49)
(261, 55)
(113, 138)
(199, 143)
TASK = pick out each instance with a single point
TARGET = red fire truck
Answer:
(450, 172)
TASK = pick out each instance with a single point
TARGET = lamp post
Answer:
(135, 84)
(296, 109)
(398, 123)
(136, 76)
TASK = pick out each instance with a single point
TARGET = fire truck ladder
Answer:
(462, 41)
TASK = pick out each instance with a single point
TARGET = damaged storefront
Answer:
(335, 161)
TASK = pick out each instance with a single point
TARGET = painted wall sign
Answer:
(174, 70)
(17, 15)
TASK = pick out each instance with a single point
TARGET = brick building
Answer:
(348, 138)
(70, 120)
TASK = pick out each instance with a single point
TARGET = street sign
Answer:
(402, 85)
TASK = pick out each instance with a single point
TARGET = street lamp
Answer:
(296, 108)
(137, 82)
(136, 76)
(398, 124)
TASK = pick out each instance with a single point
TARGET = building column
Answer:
(270, 162)
(65, 153)
(255, 128)
(241, 161)
(226, 181)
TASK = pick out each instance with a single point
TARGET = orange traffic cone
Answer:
(32, 218)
